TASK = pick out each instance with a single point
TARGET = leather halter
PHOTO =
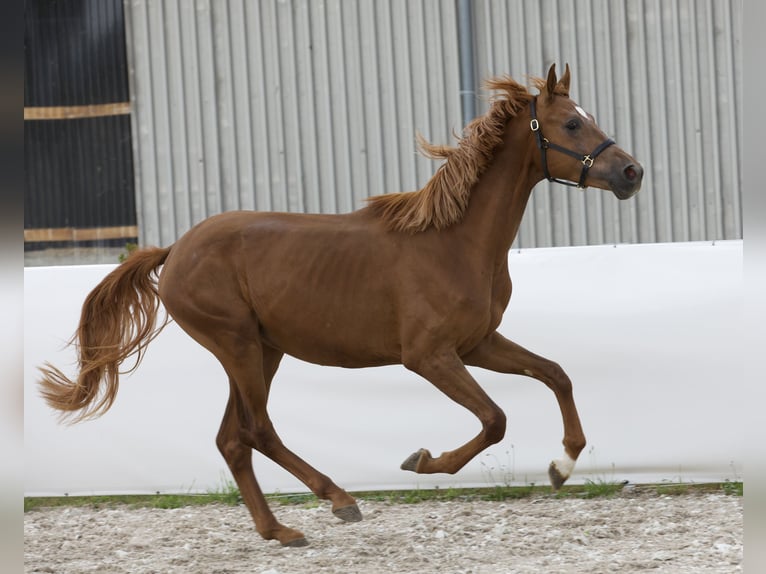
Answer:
(544, 145)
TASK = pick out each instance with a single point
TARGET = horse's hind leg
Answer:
(251, 373)
(238, 456)
(226, 326)
(497, 353)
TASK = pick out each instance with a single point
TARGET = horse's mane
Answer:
(443, 200)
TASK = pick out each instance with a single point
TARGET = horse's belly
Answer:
(340, 344)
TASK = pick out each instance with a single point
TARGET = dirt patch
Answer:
(690, 533)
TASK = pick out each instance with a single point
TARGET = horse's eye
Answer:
(572, 125)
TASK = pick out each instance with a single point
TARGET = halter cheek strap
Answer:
(544, 145)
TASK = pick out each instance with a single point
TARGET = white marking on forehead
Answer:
(582, 112)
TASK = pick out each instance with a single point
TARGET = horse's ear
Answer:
(550, 83)
(564, 81)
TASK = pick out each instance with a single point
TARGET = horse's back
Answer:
(318, 286)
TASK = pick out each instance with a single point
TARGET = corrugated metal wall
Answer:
(663, 77)
(313, 106)
(284, 105)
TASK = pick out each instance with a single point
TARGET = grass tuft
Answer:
(733, 488)
(601, 488)
(228, 494)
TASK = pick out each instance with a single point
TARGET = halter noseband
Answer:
(543, 144)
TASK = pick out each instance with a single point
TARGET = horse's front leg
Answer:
(497, 353)
(448, 373)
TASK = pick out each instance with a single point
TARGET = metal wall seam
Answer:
(402, 68)
(227, 137)
(143, 155)
(727, 114)
(601, 82)
(235, 49)
(734, 58)
(353, 107)
(305, 113)
(271, 135)
(709, 215)
(419, 92)
(589, 97)
(371, 144)
(651, 217)
(540, 202)
(658, 155)
(294, 151)
(178, 200)
(161, 103)
(259, 118)
(354, 116)
(342, 80)
(190, 194)
(330, 98)
(692, 169)
(552, 15)
(388, 89)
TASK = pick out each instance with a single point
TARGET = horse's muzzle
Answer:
(628, 182)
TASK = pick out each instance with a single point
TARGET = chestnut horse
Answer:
(417, 278)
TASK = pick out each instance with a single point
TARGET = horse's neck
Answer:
(499, 198)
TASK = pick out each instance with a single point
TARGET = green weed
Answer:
(129, 248)
(229, 494)
(601, 488)
(733, 488)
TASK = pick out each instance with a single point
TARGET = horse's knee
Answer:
(238, 445)
(262, 438)
(494, 426)
(236, 454)
(557, 379)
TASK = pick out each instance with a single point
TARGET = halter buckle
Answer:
(587, 161)
(534, 125)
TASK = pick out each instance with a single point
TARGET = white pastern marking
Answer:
(565, 466)
(582, 112)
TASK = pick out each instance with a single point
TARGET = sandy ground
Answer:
(633, 532)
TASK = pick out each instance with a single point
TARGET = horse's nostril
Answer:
(631, 173)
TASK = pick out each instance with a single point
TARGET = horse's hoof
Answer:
(560, 470)
(412, 461)
(285, 536)
(555, 476)
(296, 542)
(349, 513)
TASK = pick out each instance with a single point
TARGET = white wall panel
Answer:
(657, 380)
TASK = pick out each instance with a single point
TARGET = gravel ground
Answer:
(633, 532)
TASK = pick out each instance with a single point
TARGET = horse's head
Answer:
(573, 149)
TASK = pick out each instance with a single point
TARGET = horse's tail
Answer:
(118, 320)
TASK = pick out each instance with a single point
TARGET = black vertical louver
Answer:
(78, 153)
